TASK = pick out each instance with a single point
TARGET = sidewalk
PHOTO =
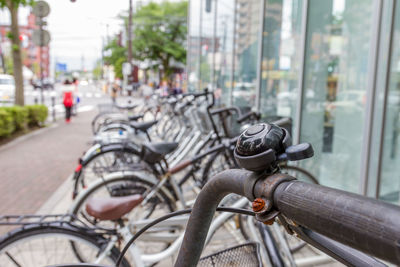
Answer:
(34, 166)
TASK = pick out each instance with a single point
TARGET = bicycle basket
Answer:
(242, 255)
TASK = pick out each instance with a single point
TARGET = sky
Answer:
(77, 29)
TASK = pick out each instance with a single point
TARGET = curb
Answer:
(57, 197)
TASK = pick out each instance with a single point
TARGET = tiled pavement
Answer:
(34, 166)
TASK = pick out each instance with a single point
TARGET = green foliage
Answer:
(97, 70)
(19, 116)
(6, 3)
(37, 115)
(6, 123)
(116, 58)
(160, 33)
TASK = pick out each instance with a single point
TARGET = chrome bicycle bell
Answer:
(263, 145)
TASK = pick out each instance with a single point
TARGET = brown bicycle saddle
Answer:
(112, 208)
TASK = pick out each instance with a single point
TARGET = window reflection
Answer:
(281, 60)
(247, 29)
(335, 82)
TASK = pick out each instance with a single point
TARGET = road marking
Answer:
(85, 108)
(89, 94)
(97, 95)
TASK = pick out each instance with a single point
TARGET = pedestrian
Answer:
(68, 99)
(114, 92)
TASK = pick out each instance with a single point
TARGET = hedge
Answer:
(37, 115)
(14, 119)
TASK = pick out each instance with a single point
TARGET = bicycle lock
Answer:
(320, 215)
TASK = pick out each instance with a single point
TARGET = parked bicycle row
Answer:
(152, 160)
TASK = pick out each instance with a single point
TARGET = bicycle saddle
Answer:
(155, 152)
(135, 117)
(112, 208)
(142, 126)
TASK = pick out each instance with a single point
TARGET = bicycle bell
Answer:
(263, 145)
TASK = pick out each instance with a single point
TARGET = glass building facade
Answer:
(333, 66)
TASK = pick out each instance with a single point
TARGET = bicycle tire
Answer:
(28, 233)
(208, 172)
(79, 174)
(87, 194)
(159, 202)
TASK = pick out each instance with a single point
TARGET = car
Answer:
(7, 88)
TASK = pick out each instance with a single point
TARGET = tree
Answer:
(116, 56)
(12, 6)
(160, 33)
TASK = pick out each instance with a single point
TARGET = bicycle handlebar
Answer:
(244, 117)
(221, 110)
(366, 224)
(363, 223)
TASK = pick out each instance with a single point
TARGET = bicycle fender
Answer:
(98, 149)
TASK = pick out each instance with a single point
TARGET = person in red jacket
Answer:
(68, 99)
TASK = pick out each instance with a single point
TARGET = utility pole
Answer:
(130, 33)
(130, 76)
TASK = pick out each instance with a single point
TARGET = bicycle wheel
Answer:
(43, 245)
(123, 184)
(216, 163)
(107, 162)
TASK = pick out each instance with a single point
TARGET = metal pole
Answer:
(129, 33)
(213, 83)
(382, 119)
(233, 55)
(303, 47)
(200, 43)
(369, 112)
(53, 104)
(260, 55)
(41, 63)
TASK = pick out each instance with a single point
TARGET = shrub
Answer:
(37, 115)
(6, 123)
(19, 115)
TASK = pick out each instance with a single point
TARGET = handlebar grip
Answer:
(363, 223)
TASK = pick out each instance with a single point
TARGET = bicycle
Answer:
(173, 247)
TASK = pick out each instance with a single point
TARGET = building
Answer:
(333, 66)
(30, 52)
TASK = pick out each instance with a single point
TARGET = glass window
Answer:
(207, 45)
(224, 49)
(281, 60)
(335, 84)
(390, 182)
(247, 27)
(193, 70)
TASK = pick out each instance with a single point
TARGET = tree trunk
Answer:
(16, 54)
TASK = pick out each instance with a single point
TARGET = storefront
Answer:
(333, 66)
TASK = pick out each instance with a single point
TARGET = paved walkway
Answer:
(34, 166)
